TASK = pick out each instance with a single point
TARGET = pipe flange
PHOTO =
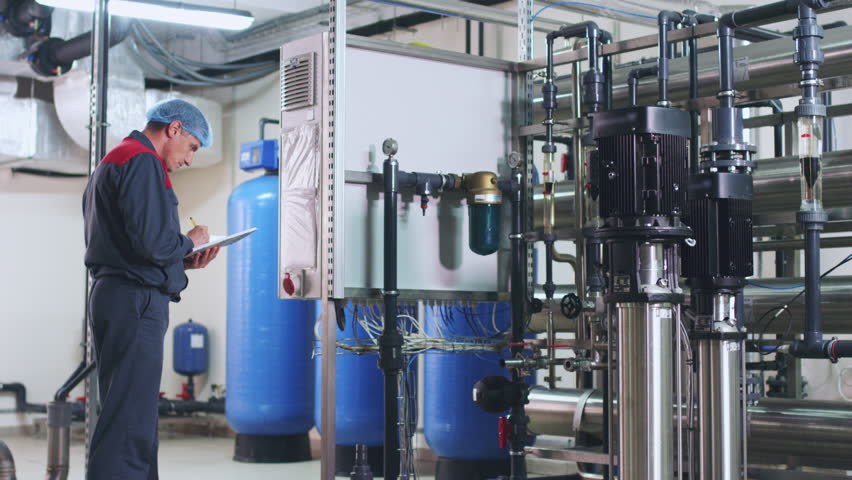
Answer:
(811, 217)
(810, 109)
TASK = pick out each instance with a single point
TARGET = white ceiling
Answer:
(262, 9)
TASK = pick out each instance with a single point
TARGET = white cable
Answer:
(494, 319)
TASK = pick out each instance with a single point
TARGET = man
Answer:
(136, 255)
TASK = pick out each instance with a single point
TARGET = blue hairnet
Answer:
(189, 115)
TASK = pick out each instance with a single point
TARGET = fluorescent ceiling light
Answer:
(163, 11)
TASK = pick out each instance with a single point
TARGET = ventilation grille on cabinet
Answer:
(298, 75)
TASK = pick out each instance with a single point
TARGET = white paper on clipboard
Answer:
(222, 241)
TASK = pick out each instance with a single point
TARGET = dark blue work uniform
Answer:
(134, 253)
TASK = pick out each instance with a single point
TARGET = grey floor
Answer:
(180, 459)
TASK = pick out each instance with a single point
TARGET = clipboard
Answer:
(222, 241)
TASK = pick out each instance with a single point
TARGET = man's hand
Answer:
(200, 259)
(199, 235)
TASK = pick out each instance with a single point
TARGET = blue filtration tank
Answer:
(190, 353)
(463, 436)
(270, 395)
(360, 410)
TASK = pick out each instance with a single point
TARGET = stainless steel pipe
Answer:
(817, 433)
(58, 440)
(836, 305)
(646, 448)
(776, 193)
(720, 436)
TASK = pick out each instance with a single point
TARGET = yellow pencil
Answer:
(193, 222)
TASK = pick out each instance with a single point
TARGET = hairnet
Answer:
(190, 117)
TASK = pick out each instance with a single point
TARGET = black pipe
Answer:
(467, 37)
(665, 20)
(7, 462)
(633, 80)
(827, 126)
(605, 38)
(185, 407)
(56, 56)
(549, 286)
(756, 14)
(757, 34)
(726, 64)
(548, 91)
(390, 341)
(517, 416)
(809, 57)
(263, 122)
(20, 392)
(813, 319)
(593, 80)
(481, 39)
(692, 18)
(78, 376)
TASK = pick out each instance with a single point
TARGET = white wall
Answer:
(41, 253)
(41, 282)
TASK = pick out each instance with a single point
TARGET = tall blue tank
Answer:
(190, 352)
(462, 436)
(359, 417)
(270, 395)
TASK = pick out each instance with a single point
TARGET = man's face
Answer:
(180, 148)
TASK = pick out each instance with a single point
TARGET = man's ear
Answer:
(174, 128)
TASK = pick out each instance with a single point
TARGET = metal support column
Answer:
(97, 150)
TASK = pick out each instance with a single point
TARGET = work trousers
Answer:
(129, 324)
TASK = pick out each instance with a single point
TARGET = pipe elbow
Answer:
(592, 29)
(604, 37)
(815, 4)
(668, 17)
(727, 25)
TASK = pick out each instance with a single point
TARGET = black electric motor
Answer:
(643, 155)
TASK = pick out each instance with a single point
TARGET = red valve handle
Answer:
(504, 428)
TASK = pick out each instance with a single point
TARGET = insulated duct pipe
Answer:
(26, 18)
(823, 430)
(56, 56)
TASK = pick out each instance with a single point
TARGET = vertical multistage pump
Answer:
(716, 265)
(644, 167)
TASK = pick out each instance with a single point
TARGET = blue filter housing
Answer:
(259, 154)
(190, 349)
(461, 435)
(270, 395)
